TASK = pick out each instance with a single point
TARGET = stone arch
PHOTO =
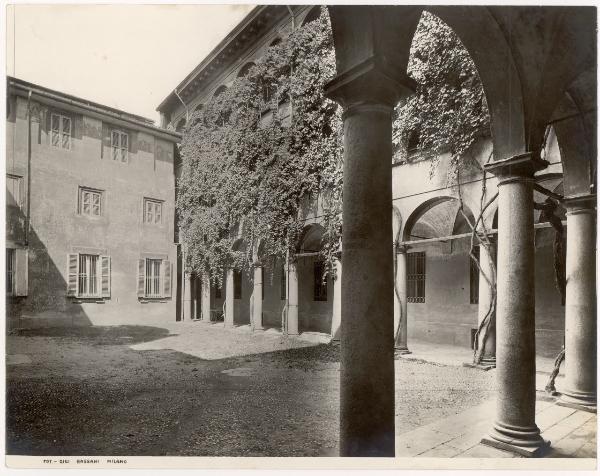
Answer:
(220, 90)
(574, 123)
(312, 15)
(310, 238)
(437, 217)
(181, 124)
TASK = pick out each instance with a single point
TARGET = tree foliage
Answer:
(255, 151)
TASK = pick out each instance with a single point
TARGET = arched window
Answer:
(244, 70)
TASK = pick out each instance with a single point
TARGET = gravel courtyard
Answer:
(92, 391)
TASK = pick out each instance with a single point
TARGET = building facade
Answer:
(437, 283)
(90, 212)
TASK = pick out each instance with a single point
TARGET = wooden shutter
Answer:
(166, 278)
(141, 285)
(21, 270)
(105, 274)
(72, 273)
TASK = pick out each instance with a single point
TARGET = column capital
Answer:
(516, 168)
(401, 248)
(369, 84)
(583, 203)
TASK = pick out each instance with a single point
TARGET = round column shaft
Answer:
(292, 317)
(401, 302)
(515, 428)
(229, 301)
(257, 300)
(336, 318)
(367, 331)
(580, 305)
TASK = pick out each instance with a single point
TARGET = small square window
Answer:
(119, 143)
(90, 202)
(60, 130)
(153, 211)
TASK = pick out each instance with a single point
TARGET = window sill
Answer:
(81, 300)
(147, 300)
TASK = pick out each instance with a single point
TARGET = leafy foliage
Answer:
(448, 112)
(257, 150)
(254, 151)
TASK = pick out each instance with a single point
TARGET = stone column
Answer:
(205, 300)
(292, 291)
(514, 428)
(229, 301)
(188, 304)
(580, 305)
(401, 302)
(336, 317)
(257, 301)
(367, 407)
(485, 299)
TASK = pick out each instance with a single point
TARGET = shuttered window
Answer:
(60, 131)
(415, 263)
(119, 143)
(154, 278)
(88, 275)
(17, 278)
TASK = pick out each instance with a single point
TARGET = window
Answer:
(283, 286)
(474, 278)
(60, 131)
(16, 271)
(13, 191)
(320, 283)
(153, 211)
(119, 143)
(415, 263)
(237, 284)
(10, 271)
(90, 202)
(154, 278)
(88, 275)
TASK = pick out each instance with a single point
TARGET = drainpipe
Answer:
(28, 215)
(293, 17)
(187, 113)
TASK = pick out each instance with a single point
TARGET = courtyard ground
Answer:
(197, 389)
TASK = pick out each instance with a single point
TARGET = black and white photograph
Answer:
(300, 236)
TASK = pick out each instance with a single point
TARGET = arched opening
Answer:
(242, 284)
(181, 125)
(244, 70)
(275, 42)
(220, 90)
(315, 286)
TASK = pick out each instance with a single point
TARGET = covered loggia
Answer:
(441, 280)
(512, 48)
(315, 285)
(239, 288)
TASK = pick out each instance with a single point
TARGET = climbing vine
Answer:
(254, 152)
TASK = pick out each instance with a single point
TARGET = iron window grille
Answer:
(416, 277)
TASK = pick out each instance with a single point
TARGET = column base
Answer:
(525, 441)
(527, 451)
(480, 366)
(579, 401)
(401, 350)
